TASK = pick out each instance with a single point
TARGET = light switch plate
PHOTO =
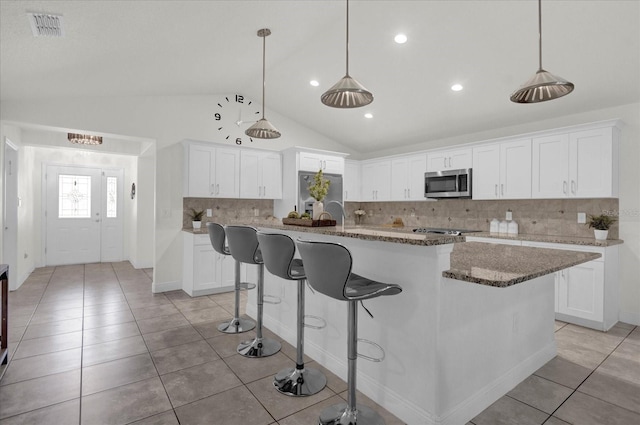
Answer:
(509, 216)
(582, 218)
(209, 212)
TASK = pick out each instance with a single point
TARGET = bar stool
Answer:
(278, 253)
(243, 245)
(328, 269)
(237, 324)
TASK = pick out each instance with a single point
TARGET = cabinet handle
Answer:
(449, 162)
(264, 190)
(502, 189)
(496, 190)
(213, 189)
(564, 187)
(573, 187)
(445, 162)
(346, 195)
(408, 193)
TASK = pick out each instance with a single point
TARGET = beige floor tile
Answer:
(163, 323)
(53, 316)
(198, 382)
(508, 411)
(564, 372)
(67, 413)
(226, 345)
(586, 410)
(37, 393)
(48, 344)
(612, 390)
(99, 309)
(311, 414)
(603, 342)
(555, 421)
(212, 314)
(577, 353)
(154, 311)
(540, 393)
(252, 369)
(634, 336)
(125, 404)
(280, 405)
(624, 363)
(171, 338)
(119, 372)
(108, 319)
(236, 406)
(210, 329)
(53, 328)
(110, 333)
(166, 418)
(42, 365)
(113, 350)
(364, 400)
(194, 304)
(183, 356)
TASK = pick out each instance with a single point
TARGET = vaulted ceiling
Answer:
(139, 48)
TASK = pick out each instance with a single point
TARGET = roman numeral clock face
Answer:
(234, 116)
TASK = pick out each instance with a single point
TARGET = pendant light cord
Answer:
(347, 38)
(540, 35)
(264, 46)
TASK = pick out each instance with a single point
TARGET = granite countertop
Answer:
(402, 235)
(506, 265)
(570, 240)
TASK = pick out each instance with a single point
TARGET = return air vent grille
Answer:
(44, 25)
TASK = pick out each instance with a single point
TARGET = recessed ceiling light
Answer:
(314, 83)
(368, 115)
(456, 87)
(400, 38)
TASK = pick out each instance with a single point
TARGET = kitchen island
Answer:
(472, 322)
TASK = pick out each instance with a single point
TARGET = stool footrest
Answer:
(323, 323)
(371, 359)
(247, 285)
(272, 299)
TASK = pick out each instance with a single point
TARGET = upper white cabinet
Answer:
(449, 160)
(261, 174)
(502, 171)
(580, 164)
(351, 181)
(212, 172)
(407, 177)
(376, 180)
(312, 161)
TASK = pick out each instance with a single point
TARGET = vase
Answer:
(196, 224)
(318, 208)
(601, 235)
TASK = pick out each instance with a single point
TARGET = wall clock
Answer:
(234, 115)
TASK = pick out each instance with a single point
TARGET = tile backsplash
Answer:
(554, 217)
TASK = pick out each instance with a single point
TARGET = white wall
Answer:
(170, 119)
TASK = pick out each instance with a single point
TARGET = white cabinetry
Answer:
(581, 164)
(211, 172)
(407, 177)
(502, 171)
(351, 181)
(204, 271)
(449, 160)
(312, 161)
(376, 180)
(261, 174)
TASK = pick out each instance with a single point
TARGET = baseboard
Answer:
(21, 279)
(212, 291)
(630, 317)
(165, 286)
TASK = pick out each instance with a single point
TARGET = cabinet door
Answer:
(310, 162)
(581, 291)
(399, 170)
(449, 160)
(327, 163)
(369, 172)
(333, 164)
(271, 173)
(249, 175)
(550, 167)
(351, 181)
(200, 171)
(383, 181)
(515, 170)
(415, 176)
(591, 164)
(460, 159)
(227, 175)
(204, 268)
(437, 161)
(486, 172)
(226, 270)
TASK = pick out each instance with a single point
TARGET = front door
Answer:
(83, 215)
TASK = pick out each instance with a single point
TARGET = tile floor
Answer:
(90, 344)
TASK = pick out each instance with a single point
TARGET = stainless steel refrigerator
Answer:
(305, 202)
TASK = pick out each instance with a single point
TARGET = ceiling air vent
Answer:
(44, 25)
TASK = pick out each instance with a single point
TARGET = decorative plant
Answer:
(601, 222)
(196, 215)
(319, 188)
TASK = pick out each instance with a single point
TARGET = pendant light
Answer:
(347, 93)
(543, 85)
(263, 129)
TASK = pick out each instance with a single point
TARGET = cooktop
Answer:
(455, 232)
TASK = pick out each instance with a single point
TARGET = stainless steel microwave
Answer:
(448, 184)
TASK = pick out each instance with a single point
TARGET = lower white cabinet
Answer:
(586, 294)
(204, 271)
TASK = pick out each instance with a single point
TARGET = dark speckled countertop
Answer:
(507, 265)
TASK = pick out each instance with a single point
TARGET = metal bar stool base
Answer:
(299, 382)
(236, 326)
(338, 414)
(259, 347)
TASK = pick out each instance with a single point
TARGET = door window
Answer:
(74, 196)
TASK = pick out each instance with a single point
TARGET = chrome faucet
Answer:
(344, 215)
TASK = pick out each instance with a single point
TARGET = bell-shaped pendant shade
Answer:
(541, 87)
(263, 129)
(347, 93)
